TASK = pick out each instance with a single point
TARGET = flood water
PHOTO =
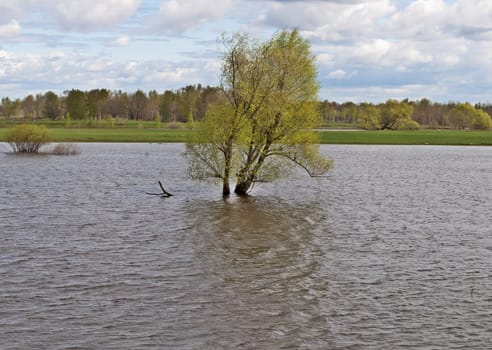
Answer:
(393, 250)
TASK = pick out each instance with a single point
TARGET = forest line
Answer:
(190, 103)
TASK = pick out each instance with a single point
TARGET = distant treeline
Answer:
(191, 103)
(407, 114)
(183, 105)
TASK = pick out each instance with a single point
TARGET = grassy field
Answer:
(138, 132)
(419, 137)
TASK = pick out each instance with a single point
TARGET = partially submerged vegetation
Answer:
(27, 138)
(65, 149)
(264, 120)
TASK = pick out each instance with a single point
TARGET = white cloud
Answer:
(337, 74)
(421, 19)
(385, 53)
(329, 20)
(183, 15)
(121, 41)
(59, 71)
(369, 49)
(93, 15)
(10, 29)
(471, 17)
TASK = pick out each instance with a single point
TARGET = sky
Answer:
(366, 51)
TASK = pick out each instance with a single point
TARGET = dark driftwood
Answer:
(164, 193)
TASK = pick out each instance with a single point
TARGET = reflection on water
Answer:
(393, 250)
(258, 258)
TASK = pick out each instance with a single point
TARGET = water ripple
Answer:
(392, 251)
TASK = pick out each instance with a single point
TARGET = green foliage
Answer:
(408, 124)
(157, 120)
(110, 122)
(266, 117)
(68, 120)
(28, 138)
(465, 116)
(369, 117)
(10, 108)
(76, 104)
(96, 100)
(481, 120)
(51, 108)
(393, 113)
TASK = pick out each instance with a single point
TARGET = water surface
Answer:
(393, 250)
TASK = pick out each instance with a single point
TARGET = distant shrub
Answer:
(27, 138)
(65, 149)
(93, 123)
(481, 120)
(110, 122)
(157, 121)
(408, 124)
(68, 120)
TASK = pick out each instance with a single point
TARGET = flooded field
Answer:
(392, 250)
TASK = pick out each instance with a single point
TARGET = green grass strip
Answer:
(162, 135)
(418, 137)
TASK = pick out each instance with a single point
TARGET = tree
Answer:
(465, 116)
(10, 108)
(211, 154)
(481, 120)
(393, 112)
(118, 104)
(39, 103)
(283, 127)
(28, 138)
(137, 106)
(28, 105)
(369, 117)
(153, 103)
(96, 103)
(51, 108)
(265, 122)
(76, 103)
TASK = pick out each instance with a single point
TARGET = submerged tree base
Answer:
(242, 189)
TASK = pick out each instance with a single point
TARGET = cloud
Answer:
(73, 15)
(10, 29)
(183, 15)
(121, 41)
(337, 74)
(10, 10)
(328, 20)
(421, 20)
(59, 71)
(91, 15)
(384, 53)
(369, 49)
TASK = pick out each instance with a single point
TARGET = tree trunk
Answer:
(226, 190)
(242, 188)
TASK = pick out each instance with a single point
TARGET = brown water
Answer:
(392, 251)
